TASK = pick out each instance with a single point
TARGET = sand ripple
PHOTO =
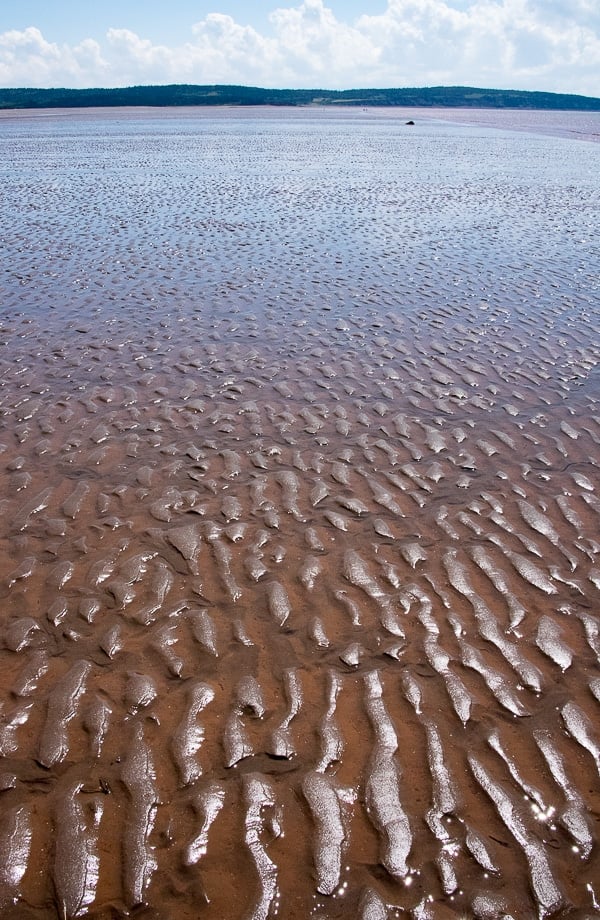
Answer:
(299, 557)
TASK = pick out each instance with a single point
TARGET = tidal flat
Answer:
(300, 541)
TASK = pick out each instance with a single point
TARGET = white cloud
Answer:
(136, 57)
(223, 50)
(502, 43)
(528, 44)
(315, 44)
(27, 59)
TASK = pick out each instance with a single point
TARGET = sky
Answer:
(549, 45)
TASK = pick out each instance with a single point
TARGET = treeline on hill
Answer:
(182, 94)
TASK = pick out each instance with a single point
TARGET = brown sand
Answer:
(299, 581)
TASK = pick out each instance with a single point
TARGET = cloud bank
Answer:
(551, 45)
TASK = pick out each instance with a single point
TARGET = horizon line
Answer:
(288, 89)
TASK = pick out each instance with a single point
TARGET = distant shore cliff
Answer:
(183, 94)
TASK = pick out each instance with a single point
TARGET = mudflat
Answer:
(299, 549)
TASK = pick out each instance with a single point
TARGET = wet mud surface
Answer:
(299, 568)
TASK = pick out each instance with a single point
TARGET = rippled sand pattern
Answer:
(300, 520)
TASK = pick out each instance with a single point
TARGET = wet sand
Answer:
(299, 558)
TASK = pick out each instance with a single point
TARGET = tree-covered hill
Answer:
(183, 94)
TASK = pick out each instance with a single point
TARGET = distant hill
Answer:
(182, 94)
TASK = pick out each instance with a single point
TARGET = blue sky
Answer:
(551, 45)
(72, 20)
